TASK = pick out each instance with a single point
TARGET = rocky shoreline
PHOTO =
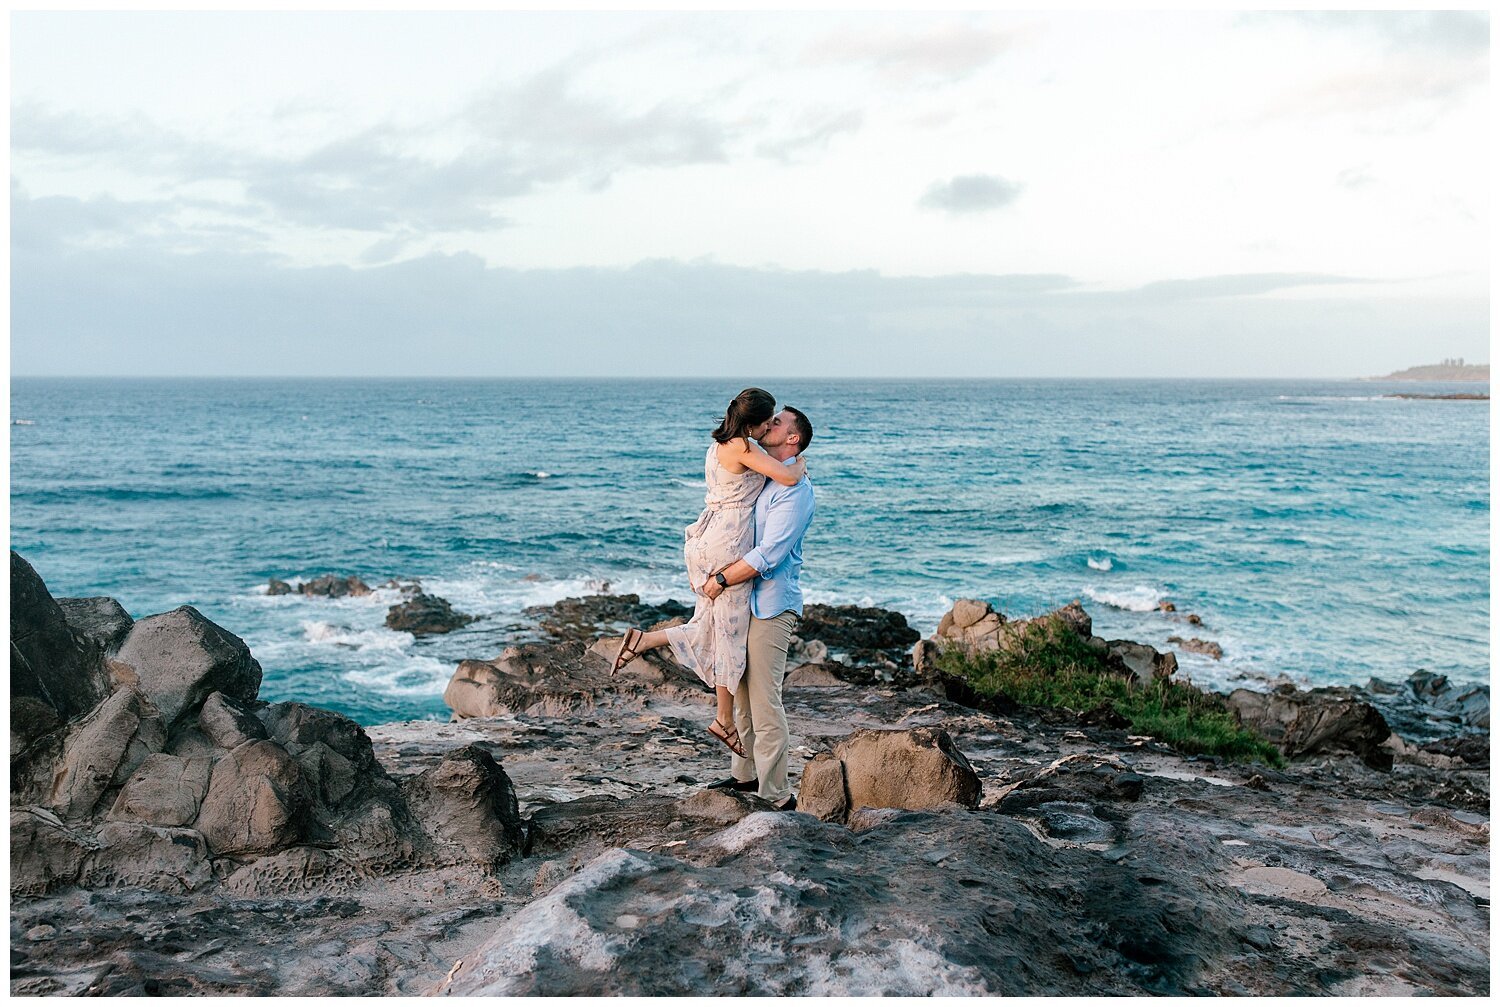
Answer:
(173, 834)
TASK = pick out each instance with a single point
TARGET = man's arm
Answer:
(787, 519)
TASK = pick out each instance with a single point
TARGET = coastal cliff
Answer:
(174, 834)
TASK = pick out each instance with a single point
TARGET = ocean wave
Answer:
(335, 635)
(1137, 599)
(1013, 558)
(1101, 564)
(23, 423)
(414, 676)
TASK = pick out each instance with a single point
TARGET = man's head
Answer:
(790, 434)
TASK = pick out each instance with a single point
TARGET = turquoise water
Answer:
(1320, 531)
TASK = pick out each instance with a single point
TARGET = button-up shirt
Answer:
(782, 516)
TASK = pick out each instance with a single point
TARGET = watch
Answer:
(720, 578)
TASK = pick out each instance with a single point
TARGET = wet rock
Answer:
(180, 658)
(467, 802)
(228, 722)
(330, 586)
(101, 752)
(1471, 705)
(1316, 722)
(426, 615)
(101, 621)
(277, 587)
(257, 801)
(49, 663)
(163, 790)
(1196, 646)
(911, 769)
(138, 855)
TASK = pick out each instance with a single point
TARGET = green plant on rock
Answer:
(1044, 662)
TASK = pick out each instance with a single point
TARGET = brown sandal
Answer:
(730, 737)
(626, 653)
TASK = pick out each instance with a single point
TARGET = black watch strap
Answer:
(720, 578)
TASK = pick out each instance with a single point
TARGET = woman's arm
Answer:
(754, 457)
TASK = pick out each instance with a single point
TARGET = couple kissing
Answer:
(744, 560)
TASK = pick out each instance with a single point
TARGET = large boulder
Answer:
(1315, 722)
(425, 615)
(228, 722)
(102, 750)
(542, 679)
(467, 803)
(913, 769)
(179, 659)
(257, 801)
(972, 623)
(164, 790)
(102, 621)
(51, 667)
(1142, 662)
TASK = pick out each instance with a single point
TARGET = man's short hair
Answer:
(804, 427)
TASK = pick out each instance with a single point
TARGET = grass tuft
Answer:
(1046, 663)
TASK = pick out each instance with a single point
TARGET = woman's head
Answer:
(747, 416)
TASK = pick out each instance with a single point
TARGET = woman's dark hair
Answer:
(750, 408)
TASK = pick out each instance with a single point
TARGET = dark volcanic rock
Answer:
(276, 587)
(101, 621)
(257, 801)
(426, 615)
(1315, 722)
(1471, 748)
(466, 800)
(859, 632)
(102, 750)
(612, 821)
(584, 619)
(49, 664)
(1194, 645)
(329, 586)
(179, 658)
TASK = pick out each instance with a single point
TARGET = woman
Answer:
(712, 642)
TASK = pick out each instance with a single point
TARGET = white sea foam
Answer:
(1101, 564)
(359, 639)
(1137, 599)
(1013, 558)
(540, 475)
(23, 423)
(410, 675)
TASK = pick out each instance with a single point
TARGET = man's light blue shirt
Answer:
(782, 516)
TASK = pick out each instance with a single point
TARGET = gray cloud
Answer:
(115, 311)
(970, 194)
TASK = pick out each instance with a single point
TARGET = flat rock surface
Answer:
(1096, 863)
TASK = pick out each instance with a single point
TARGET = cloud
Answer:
(113, 311)
(811, 133)
(970, 194)
(1238, 285)
(1462, 33)
(945, 52)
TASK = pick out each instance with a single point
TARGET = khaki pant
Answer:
(758, 714)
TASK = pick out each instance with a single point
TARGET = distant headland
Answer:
(1453, 369)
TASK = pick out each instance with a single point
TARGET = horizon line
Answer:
(709, 377)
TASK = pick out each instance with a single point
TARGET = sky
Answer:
(786, 194)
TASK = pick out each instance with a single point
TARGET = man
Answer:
(782, 516)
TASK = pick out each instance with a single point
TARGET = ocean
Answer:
(1321, 531)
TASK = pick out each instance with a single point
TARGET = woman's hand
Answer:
(712, 590)
(798, 468)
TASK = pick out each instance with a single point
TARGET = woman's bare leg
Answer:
(725, 713)
(650, 641)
